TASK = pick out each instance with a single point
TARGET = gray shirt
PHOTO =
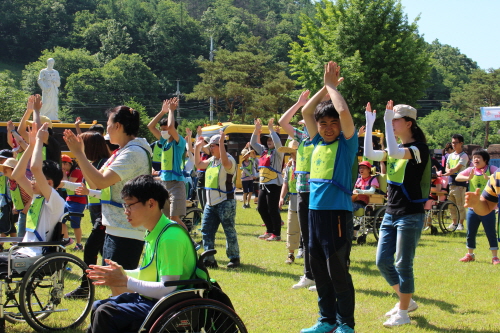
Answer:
(272, 178)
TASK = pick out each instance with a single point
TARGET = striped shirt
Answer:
(492, 189)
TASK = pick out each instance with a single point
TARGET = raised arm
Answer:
(152, 124)
(78, 121)
(37, 162)
(376, 155)
(257, 146)
(274, 135)
(332, 80)
(308, 111)
(172, 106)
(393, 149)
(288, 115)
(226, 163)
(27, 114)
(19, 173)
(197, 150)
(91, 174)
(37, 106)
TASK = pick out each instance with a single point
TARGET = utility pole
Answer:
(178, 93)
(211, 59)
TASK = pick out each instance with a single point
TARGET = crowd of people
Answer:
(136, 191)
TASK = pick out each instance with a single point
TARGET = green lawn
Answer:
(453, 296)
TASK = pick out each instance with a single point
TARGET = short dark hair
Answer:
(325, 109)
(95, 146)
(483, 153)
(52, 171)
(97, 128)
(459, 137)
(145, 187)
(164, 122)
(128, 117)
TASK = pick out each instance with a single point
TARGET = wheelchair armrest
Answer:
(207, 253)
(76, 214)
(196, 282)
(36, 244)
(11, 239)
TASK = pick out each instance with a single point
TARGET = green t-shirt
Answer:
(175, 253)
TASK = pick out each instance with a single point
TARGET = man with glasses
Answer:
(456, 163)
(169, 255)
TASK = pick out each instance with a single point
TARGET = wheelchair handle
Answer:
(204, 283)
(207, 253)
(75, 214)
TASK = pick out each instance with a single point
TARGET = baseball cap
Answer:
(365, 163)
(403, 110)
(214, 139)
(6, 153)
(66, 158)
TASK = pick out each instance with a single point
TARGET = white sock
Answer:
(403, 313)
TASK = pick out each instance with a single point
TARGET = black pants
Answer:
(95, 242)
(303, 215)
(268, 207)
(330, 237)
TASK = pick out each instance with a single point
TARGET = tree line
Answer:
(111, 52)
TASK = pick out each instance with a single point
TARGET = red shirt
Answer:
(77, 173)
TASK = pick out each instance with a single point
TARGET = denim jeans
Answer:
(125, 251)
(473, 222)
(330, 234)
(399, 234)
(223, 213)
(21, 227)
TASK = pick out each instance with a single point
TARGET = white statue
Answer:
(49, 81)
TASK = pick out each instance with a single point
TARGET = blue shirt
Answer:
(178, 156)
(326, 196)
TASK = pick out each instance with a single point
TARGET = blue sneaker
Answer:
(344, 329)
(320, 327)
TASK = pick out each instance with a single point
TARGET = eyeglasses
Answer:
(127, 206)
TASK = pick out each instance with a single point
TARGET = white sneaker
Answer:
(453, 227)
(312, 288)
(460, 226)
(412, 307)
(300, 253)
(397, 320)
(303, 283)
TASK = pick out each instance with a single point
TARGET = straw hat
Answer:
(43, 119)
(245, 152)
(291, 148)
(10, 163)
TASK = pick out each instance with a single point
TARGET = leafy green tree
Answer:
(12, 99)
(381, 53)
(244, 83)
(450, 69)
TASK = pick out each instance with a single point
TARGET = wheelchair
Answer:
(201, 307)
(35, 287)
(368, 219)
(439, 210)
(193, 216)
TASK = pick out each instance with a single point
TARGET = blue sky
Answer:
(470, 25)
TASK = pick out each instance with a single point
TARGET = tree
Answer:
(244, 83)
(450, 69)
(381, 54)
(482, 90)
(12, 99)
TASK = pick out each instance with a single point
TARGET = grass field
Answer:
(453, 296)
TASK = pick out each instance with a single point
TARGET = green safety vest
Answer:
(19, 155)
(212, 178)
(91, 201)
(248, 168)
(292, 181)
(478, 181)
(33, 217)
(3, 185)
(452, 163)
(396, 174)
(304, 154)
(17, 199)
(157, 152)
(323, 165)
(167, 159)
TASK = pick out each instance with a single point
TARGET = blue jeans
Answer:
(223, 213)
(125, 251)
(21, 227)
(122, 313)
(473, 222)
(330, 234)
(399, 234)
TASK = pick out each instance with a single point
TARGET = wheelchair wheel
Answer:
(42, 293)
(199, 315)
(377, 221)
(192, 219)
(446, 211)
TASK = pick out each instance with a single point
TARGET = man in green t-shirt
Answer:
(169, 255)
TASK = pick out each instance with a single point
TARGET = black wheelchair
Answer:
(200, 307)
(33, 289)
